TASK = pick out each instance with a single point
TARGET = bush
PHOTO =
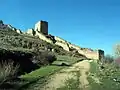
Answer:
(117, 50)
(44, 58)
(108, 59)
(7, 71)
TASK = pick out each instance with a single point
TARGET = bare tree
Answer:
(117, 50)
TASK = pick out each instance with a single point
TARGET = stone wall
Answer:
(63, 45)
(31, 32)
(19, 31)
(74, 46)
(41, 30)
(98, 54)
(59, 39)
(43, 37)
(42, 27)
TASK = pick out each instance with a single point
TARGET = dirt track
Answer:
(57, 80)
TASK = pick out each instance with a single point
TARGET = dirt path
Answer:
(57, 80)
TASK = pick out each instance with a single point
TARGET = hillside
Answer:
(22, 53)
(12, 40)
(47, 41)
(37, 60)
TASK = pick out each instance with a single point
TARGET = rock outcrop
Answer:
(11, 27)
(5, 26)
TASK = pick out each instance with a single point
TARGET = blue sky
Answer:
(87, 23)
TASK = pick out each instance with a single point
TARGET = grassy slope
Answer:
(105, 77)
(11, 40)
(66, 59)
(38, 77)
(42, 72)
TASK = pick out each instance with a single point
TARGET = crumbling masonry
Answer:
(41, 30)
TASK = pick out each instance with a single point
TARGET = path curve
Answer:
(57, 80)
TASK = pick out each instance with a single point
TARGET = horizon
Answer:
(90, 24)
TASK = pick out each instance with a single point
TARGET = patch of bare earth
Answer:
(58, 80)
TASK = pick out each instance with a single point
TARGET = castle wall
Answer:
(59, 39)
(43, 37)
(31, 32)
(74, 46)
(41, 29)
(64, 45)
(98, 54)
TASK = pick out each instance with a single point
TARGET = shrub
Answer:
(44, 57)
(7, 71)
(108, 59)
(117, 50)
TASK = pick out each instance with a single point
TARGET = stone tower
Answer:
(100, 54)
(42, 26)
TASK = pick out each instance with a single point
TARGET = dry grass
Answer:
(7, 71)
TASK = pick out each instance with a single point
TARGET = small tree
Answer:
(108, 59)
(117, 50)
(117, 54)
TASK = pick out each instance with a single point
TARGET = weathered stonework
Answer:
(42, 27)
(43, 37)
(60, 39)
(31, 32)
(19, 31)
(98, 54)
(41, 30)
(63, 45)
(74, 46)
(9, 26)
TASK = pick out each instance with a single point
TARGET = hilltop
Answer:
(46, 41)
(30, 48)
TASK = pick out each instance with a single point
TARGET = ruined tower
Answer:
(100, 54)
(42, 27)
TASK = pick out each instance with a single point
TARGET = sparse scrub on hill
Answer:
(105, 77)
(72, 83)
(10, 39)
